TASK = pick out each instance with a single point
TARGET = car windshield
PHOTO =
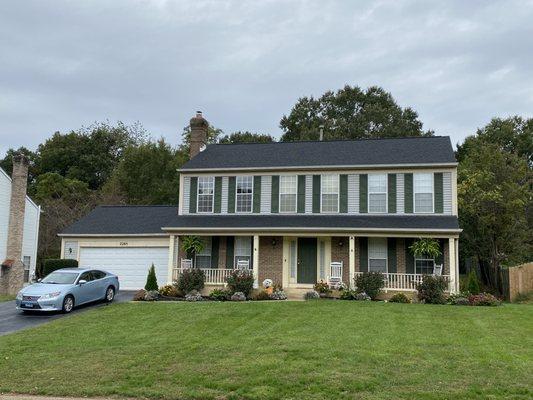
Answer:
(61, 278)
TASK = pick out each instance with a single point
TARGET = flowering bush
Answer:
(483, 299)
(348, 294)
(193, 296)
(169, 291)
(151, 295)
(399, 298)
(278, 295)
(322, 288)
(311, 295)
(238, 296)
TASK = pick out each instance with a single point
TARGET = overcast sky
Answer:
(66, 64)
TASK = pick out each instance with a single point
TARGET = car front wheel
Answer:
(110, 294)
(68, 304)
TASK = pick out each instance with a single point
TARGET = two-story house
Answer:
(294, 212)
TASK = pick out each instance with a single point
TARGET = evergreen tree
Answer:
(151, 280)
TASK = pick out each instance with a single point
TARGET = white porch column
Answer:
(453, 265)
(351, 267)
(457, 286)
(171, 245)
(256, 261)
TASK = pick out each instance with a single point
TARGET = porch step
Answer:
(296, 293)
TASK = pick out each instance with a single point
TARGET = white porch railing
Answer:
(213, 276)
(398, 281)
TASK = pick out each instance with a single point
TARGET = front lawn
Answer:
(6, 297)
(277, 350)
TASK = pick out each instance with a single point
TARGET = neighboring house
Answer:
(19, 228)
(294, 212)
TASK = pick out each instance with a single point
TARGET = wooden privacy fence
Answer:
(517, 280)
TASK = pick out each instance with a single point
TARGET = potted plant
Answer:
(426, 247)
(191, 246)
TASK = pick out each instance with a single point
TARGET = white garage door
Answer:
(129, 264)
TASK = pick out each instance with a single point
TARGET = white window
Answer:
(243, 249)
(203, 258)
(424, 265)
(288, 187)
(244, 197)
(423, 193)
(377, 254)
(377, 193)
(329, 193)
(206, 188)
(26, 261)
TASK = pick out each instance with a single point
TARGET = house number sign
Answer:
(123, 243)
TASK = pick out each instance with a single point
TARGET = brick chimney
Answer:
(13, 269)
(199, 127)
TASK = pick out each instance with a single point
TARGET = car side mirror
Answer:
(39, 280)
(82, 281)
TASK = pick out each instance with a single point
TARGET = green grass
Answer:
(274, 350)
(6, 297)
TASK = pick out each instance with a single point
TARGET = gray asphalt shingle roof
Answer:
(398, 151)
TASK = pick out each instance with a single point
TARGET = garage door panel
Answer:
(129, 264)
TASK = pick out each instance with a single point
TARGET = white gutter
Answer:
(111, 234)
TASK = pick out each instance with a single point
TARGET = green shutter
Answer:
(193, 193)
(343, 193)
(252, 252)
(316, 193)
(392, 193)
(409, 258)
(230, 243)
(363, 254)
(391, 255)
(218, 194)
(231, 194)
(363, 193)
(301, 193)
(439, 192)
(215, 241)
(274, 199)
(408, 190)
(257, 194)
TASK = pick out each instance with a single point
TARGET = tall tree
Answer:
(350, 113)
(246, 137)
(33, 170)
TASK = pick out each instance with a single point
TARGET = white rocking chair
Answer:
(437, 270)
(186, 263)
(335, 274)
(243, 264)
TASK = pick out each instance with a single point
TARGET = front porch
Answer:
(299, 261)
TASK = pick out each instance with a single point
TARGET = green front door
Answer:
(306, 260)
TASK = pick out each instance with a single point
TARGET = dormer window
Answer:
(377, 193)
(330, 193)
(423, 192)
(206, 188)
(244, 195)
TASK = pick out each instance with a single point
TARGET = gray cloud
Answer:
(66, 64)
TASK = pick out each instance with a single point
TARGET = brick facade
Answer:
(271, 259)
(340, 251)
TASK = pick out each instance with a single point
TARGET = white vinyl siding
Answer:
(447, 192)
(203, 258)
(186, 194)
(224, 196)
(244, 194)
(243, 249)
(423, 192)
(308, 194)
(205, 198)
(377, 254)
(329, 193)
(353, 194)
(266, 193)
(377, 193)
(400, 193)
(288, 188)
(70, 250)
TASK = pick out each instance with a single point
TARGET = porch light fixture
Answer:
(274, 242)
(341, 243)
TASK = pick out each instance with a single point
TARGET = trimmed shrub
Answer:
(399, 298)
(169, 291)
(53, 264)
(278, 295)
(473, 283)
(261, 295)
(322, 288)
(348, 294)
(191, 279)
(461, 301)
(483, 299)
(139, 295)
(219, 295)
(241, 281)
(238, 296)
(311, 295)
(151, 280)
(370, 283)
(431, 289)
(193, 295)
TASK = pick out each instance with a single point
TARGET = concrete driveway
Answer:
(12, 320)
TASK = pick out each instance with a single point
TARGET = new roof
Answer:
(123, 220)
(424, 150)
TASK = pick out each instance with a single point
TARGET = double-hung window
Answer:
(206, 189)
(203, 258)
(329, 193)
(423, 192)
(288, 187)
(244, 197)
(377, 193)
(243, 249)
(377, 254)
(424, 265)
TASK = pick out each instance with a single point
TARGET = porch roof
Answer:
(314, 223)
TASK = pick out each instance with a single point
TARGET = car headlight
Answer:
(19, 295)
(49, 296)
